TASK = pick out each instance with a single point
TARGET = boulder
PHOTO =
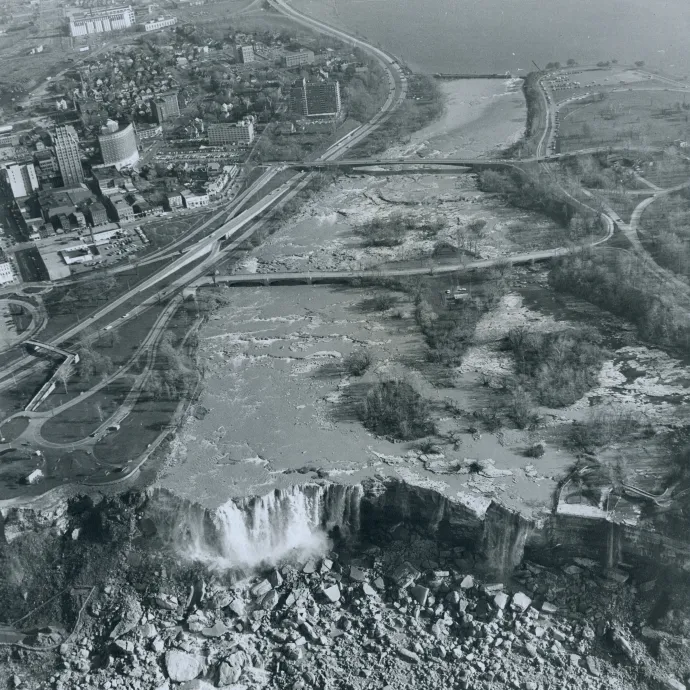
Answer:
(593, 665)
(217, 630)
(548, 608)
(368, 590)
(182, 666)
(166, 602)
(129, 619)
(275, 578)
(148, 631)
(404, 575)
(467, 582)
(270, 600)
(408, 655)
(521, 601)
(228, 674)
(196, 685)
(501, 600)
(332, 593)
(237, 607)
(419, 594)
(357, 574)
(672, 684)
(260, 589)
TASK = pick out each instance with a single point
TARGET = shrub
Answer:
(394, 408)
(559, 367)
(603, 428)
(521, 411)
(383, 302)
(357, 362)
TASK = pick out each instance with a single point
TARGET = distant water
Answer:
(500, 35)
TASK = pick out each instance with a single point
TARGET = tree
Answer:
(639, 63)
(571, 62)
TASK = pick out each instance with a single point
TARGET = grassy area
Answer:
(632, 117)
(78, 421)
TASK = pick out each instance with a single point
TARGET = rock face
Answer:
(182, 666)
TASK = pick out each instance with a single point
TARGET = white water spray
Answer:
(290, 523)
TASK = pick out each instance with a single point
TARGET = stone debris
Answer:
(397, 617)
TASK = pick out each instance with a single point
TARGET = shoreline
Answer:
(480, 116)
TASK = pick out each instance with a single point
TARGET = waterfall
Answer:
(288, 523)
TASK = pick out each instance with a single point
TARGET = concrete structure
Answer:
(166, 107)
(46, 161)
(160, 23)
(244, 54)
(174, 200)
(6, 272)
(149, 132)
(67, 153)
(98, 214)
(316, 99)
(231, 133)
(302, 57)
(101, 20)
(193, 200)
(9, 139)
(22, 180)
(118, 146)
(122, 209)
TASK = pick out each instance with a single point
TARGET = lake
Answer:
(506, 35)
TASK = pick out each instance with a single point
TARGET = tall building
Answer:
(67, 153)
(100, 20)
(231, 133)
(118, 146)
(244, 54)
(317, 99)
(22, 180)
(166, 107)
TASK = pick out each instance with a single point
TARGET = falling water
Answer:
(287, 523)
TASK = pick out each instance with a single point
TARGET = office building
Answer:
(193, 200)
(6, 270)
(22, 180)
(302, 57)
(100, 20)
(166, 107)
(118, 146)
(231, 133)
(67, 153)
(317, 99)
(244, 54)
(160, 23)
(46, 161)
(8, 139)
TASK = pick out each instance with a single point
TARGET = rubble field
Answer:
(399, 609)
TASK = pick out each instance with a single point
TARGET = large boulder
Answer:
(182, 666)
(129, 618)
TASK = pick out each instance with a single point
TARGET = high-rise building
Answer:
(315, 99)
(244, 54)
(231, 133)
(118, 146)
(166, 107)
(100, 20)
(67, 153)
(22, 180)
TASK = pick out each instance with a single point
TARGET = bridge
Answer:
(53, 349)
(62, 373)
(460, 162)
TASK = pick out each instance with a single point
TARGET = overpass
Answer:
(461, 162)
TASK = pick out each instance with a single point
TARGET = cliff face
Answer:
(297, 520)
